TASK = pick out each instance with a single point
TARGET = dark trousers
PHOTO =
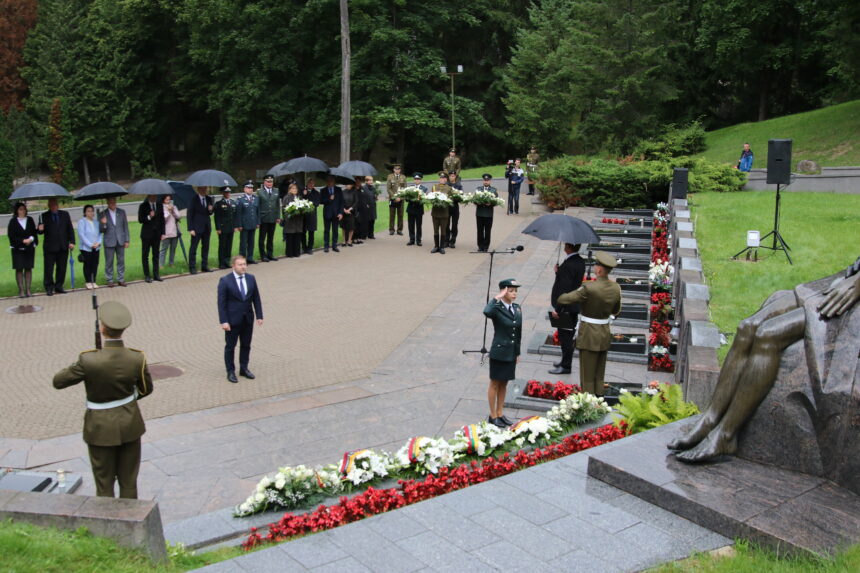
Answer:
(514, 199)
(242, 334)
(55, 268)
(266, 241)
(116, 463)
(330, 231)
(225, 248)
(531, 188)
(485, 226)
(414, 222)
(292, 244)
(91, 265)
(203, 240)
(150, 247)
(395, 212)
(371, 223)
(565, 340)
(440, 231)
(453, 225)
(246, 244)
(308, 240)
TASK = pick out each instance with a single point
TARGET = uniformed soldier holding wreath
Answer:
(395, 182)
(114, 377)
(440, 215)
(598, 300)
(507, 320)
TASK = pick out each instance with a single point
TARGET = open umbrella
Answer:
(39, 190)
(358, 168)
(210, 178)
(183, 193)
(299, 165)
(151, 187)
(100, 190)
(341, 174)
(562, 228)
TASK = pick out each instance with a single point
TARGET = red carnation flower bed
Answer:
(611, 221)
(550, 391)
(376, 501)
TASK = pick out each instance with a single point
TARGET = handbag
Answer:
(81, 257)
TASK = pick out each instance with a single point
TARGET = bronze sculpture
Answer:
(804, 321)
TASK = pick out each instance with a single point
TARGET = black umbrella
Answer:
(100, 190)
(183, 193)
(358, 168)
(210, 178)
(151, 187)
(341, 174)
(39, 190)
(563, 228)
(299, 165)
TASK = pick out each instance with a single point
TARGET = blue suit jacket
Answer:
(332, 203)
(234, 309)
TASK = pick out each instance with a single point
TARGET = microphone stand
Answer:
(492, 254)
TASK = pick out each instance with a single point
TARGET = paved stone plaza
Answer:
(359, 349)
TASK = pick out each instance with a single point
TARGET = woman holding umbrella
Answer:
(22, 240)
(90, 235)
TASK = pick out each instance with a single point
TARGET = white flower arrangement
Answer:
(411, 193)
(425, 455)
(484, 198)
(661, 274)
(578, 409)
(367, 466)
(299, 207)
(291, 487)
(535, 428)
(437, 199)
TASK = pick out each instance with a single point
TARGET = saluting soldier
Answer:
(532, 160)
(507, 320)
(226, 223)
(452, 162)
(395, 182)
(440, 216)
(598, 300)
(270, 216)
(115, 378)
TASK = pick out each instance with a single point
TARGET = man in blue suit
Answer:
(331, 199)
(238, 305)
(200, 228)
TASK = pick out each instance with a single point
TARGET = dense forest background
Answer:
(137, 87)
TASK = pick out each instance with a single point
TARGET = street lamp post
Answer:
(445, 71)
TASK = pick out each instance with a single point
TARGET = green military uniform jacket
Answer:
(109, 374)
(226, 215)
(508, 330)
(270, 205)
(440, 212)
(393, 184)
(450, 164)
(597, 299)
(532, 160)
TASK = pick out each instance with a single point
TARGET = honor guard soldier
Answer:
(440, 216)
(454, 211)
(115, 378)
(226, 223)
(532, 160)
(249, 221)
(270, 217)
(395, 182)
(415, 213)
(452, 162)
(598, 301)
(484, 215)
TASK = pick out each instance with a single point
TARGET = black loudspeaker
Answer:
(779, 161)
(679, 183)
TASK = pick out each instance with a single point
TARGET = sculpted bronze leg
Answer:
(736, 364)
(752, 385)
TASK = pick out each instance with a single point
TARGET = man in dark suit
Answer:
(200, 228)
(150, 215)
(568, 277)
(270, 217)
(331, 199)
(59, 233)
(238, 303)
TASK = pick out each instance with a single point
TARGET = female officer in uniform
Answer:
(508, 325)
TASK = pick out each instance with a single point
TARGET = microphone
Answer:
(519, 248)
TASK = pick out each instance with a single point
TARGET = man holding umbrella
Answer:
(200, 228)
(59, 233)
(150, 215)
(568, 278)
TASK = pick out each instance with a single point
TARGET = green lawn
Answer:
(133, 266)
(827, 136)
(749, 559)
(478, 172)
(822, 229)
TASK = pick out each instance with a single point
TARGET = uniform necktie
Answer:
(203, 201)
(242, 285)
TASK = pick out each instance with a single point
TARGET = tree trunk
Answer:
(107, 170)
(344, 82)
(86, 167)
(401, 143)
(762, 97)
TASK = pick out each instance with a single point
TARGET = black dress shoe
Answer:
(206, 270)
(193, 271)
(400, 233)
(335, 249)
(60, 290)
(231, 377)
(158, 278)
(264, 260)
(252, 262)
(147, 279)
(325, 250)
(49, 292)
(418, 243)
(441, 251)
(496, 422)
(247, 374)
(559, 370)
(390, 232)
(505, 421)
(410, 243)
(434, 250)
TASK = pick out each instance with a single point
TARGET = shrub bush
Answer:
(659, 404)
(674, 142)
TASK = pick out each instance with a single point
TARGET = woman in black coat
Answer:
(22, 240)
(350, 206)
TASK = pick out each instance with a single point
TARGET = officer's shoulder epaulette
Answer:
(90, 350)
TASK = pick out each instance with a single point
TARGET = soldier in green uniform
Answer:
(226, 223)
(114, 377)
(507, 320)
(395, 182)
(440, 216)
(598, 300)
(452, 162)
(532, 160)
(270, 217)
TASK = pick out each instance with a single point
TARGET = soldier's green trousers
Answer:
(116, 463)
(592, 367)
